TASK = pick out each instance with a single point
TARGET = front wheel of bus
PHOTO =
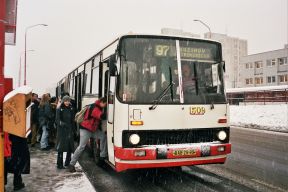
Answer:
(96, 152)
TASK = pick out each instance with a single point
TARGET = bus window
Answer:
(95, 80)
(129, 81)
(88, 77)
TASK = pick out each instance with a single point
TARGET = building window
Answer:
(283, 78)
(271, 79)
(258, 80)
(258, 64)
(271, 62)
(282, 61)
(248, 65)
(249, 81)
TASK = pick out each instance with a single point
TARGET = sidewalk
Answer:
(44, 176)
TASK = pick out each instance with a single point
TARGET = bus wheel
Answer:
(96, 152)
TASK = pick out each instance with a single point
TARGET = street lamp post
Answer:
(20, 67)
(205, 26)
(26, 47)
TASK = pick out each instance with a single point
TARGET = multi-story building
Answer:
(233, 49)
(265, 69)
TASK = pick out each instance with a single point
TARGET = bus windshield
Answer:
(170, 71)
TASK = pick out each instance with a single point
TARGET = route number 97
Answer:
(197, 110)
(161, 50)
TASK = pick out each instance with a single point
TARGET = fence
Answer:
(259, 96)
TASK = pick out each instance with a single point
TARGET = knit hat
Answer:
(66, 98)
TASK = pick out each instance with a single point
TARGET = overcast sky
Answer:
(78, 29)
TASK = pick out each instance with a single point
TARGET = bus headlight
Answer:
(222, 135)
(134, 139)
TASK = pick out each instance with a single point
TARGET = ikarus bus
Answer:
(166, 100)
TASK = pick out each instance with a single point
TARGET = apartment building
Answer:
(233, 48)
(265, 69)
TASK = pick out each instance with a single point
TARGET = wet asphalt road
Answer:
(259, 162)
(262, 155)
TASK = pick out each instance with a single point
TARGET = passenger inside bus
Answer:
(188, 79)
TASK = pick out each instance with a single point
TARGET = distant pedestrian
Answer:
(51, 125)
(65, 136)
(89, 128)
(34, 119)
(45, 115)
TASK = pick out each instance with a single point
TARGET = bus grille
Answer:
(163, 137)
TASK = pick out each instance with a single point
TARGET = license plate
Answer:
(184, 152)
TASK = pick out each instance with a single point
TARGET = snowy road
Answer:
(259, 162)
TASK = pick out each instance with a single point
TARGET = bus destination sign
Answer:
(185, 52)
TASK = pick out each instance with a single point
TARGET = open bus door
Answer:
(107, 83)
(103, 91)
(110, 119)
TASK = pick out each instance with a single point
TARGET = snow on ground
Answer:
(272, 117)
(75, 182)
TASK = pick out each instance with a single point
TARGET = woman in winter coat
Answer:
(65, 131)
(45, 115)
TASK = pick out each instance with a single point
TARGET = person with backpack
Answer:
(65, 136)
(89, 128)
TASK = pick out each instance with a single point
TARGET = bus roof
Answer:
(165, 35)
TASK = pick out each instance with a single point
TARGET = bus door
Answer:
(107, 85)
(110, 118)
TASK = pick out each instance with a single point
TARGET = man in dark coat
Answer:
(19, 163)
(65, 131)
(34, 119)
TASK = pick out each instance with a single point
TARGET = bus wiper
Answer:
(155, 103)
(196, 78)
(171, 82)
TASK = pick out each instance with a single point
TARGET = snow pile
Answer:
(77, 182)
(267, 117)
(24, 90)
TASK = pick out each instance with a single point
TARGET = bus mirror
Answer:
(112, 65)
(223, 65)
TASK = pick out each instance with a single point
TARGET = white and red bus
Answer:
(153, 120)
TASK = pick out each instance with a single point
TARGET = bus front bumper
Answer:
(170, 155)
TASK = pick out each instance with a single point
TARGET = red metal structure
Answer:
(7, 25)
(2, 49)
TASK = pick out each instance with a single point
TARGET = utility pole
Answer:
(205, 26)
(25, 61)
